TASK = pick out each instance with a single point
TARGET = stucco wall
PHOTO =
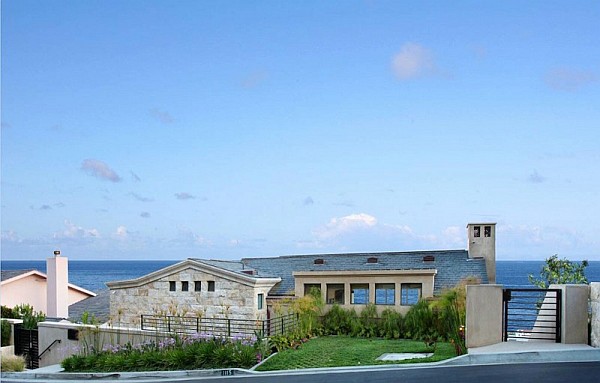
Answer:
(230, 299)
(30, 290)
(348, 278)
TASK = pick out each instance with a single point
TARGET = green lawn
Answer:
(338, 351)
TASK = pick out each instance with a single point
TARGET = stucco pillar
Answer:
(484, 315)
(595, 300)
(57, 270)
(574, 313)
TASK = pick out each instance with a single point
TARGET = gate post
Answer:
(574, 313)
(484, 315)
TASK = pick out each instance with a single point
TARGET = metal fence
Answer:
(532, 314)
(220, 326)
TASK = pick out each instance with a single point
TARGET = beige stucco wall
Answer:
(484, 315)
(32, 290)
(231, 299)
(574, 313)
(347, 278)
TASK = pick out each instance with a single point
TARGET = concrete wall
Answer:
(348, 278)
(484, 315)
(595, 303)
(230, 299)
(96, 336)
(574, 329)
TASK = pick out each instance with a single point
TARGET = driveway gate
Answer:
(26, 344)
(532, 314)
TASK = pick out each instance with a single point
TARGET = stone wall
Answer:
(595, 303)
(230, 299)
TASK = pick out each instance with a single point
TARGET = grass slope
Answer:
(338, 351)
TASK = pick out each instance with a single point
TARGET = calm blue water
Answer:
(92, 275)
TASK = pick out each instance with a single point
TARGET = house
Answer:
(49, 293)
(248, 289)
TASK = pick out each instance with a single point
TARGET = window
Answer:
(312, 289)
(385, 294)
(185, 286)
(319, 261)
(359, 294)
(476, 231)
(487, 231)
(197, 286)
(172, 286)
(372, 260)
(335, 293)
(261, 298)
(410, 293)
(211, 285)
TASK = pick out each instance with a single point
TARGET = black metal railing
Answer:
(532, 314)
(219, 326)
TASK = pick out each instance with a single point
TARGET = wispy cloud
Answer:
(76, 232)
(184, 196)
(161, 115)
(140, 198)
(99, 169)
(308, 201)
(134, 177)
(568, 79)
(121, 233)
(338, 226)
(145, 214)
(413, 61)
(536, 178)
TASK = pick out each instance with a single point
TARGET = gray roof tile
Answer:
(8, 274)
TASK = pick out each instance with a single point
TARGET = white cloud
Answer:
(9, 236)
(569, 80)
(99, 169)
(412, 61)
(73, 231)
(121, 232)
(343, 225)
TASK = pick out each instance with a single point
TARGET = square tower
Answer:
(482, 244)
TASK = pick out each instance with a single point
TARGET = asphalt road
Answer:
(578, 372)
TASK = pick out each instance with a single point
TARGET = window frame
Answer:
(185, 286)
(334, 287)
(197, 286)
(476, 231)
(405, 289)
(385, 287)
(261, 298)
(357, 287)
(211, 286)
(172, 286)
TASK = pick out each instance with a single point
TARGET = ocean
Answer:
(93, 275)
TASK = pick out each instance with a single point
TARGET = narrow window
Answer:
(487, 231)
(372, 260)
(385, 294)
(313, 289)
(410, 293)
(172, 286)
(211, 285)
(185, 286)
(476, 231)
(359, 294)
(335, 293)
(261, 298)
(197, 286)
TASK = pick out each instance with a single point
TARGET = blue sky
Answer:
(229, 129)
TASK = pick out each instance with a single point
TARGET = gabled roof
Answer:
(9, 276)
(99, 306)
(452, 266)
(225, 269)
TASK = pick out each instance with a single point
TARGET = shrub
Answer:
(421, 322)
(390, 326)
(12, 363)
(8, 313)
(338, 321)
(367, 322)
(6, 331)
(29, 316)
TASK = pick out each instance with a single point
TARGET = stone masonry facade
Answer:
(230, 299)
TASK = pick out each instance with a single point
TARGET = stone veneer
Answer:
(595, 303)
(231, 299)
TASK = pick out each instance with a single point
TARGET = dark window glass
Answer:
(476, 231)
(487, 231)
(171, 285)
(197, 286)
(335, 293)
(185, 286)
(211, 285)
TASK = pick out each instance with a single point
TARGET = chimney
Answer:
(482, 244)
(57, 270)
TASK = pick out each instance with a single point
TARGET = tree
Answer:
(560, 271)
